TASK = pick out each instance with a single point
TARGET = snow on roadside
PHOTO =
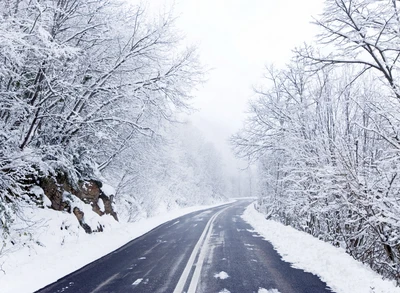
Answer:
(62, 251)
(333, 265)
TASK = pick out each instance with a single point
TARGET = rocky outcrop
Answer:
(108, 208)
(88, 191)
(54, 191)
(80, 216)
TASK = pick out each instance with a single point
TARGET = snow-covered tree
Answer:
(83, 84)
(361, 32)
(162, 173)
(325, 134)
(325, 164)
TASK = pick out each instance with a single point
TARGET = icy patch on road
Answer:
(137, 282)
(221, 275)
(333, 265)
(262, 290)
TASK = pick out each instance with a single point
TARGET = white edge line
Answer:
(182, 280)
(200, 261)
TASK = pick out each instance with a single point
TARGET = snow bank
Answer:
(63, 247)
(333, 265)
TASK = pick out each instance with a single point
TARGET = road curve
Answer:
(207, 251)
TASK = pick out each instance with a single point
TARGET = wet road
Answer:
(207, 251)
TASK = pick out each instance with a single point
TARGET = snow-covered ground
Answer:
(62, 247)
(333, 265)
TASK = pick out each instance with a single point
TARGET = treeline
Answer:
(325, 133)
(179, 169)
(88, 90)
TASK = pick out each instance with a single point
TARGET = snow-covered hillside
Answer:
(91, 95)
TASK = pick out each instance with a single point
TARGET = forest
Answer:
(93, 100)
(324, 133)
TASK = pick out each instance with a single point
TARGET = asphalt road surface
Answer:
(209, 251)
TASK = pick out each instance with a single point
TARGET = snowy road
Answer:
(207, 251)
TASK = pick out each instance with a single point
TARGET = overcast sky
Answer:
(237, 38)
